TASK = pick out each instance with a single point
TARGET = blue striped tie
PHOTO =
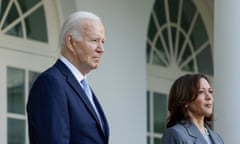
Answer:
(90, 98)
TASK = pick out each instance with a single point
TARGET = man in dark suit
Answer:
(61, 109)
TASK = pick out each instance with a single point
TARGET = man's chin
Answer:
(95, 66)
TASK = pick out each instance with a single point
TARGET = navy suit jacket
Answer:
(188, 133)
(59, 112)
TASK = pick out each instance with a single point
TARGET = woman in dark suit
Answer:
(190, 107)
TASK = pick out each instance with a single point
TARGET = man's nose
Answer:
(100, 47)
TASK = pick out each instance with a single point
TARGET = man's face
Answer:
(89, 49)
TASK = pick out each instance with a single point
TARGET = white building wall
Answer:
(227, 69)
(120, 81)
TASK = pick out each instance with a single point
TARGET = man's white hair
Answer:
(72, 25)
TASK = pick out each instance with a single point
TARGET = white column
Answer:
(227, 69)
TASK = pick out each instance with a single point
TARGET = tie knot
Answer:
(84, 83)
(86, 87)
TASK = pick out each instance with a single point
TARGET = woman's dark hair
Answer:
(183, 91)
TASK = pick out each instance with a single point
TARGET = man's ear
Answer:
(70, 43)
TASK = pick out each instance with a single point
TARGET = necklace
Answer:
(205, 133)
(206, 136)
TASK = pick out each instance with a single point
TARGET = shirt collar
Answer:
(77, 74)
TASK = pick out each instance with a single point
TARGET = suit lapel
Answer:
(102, 115)
(78, 89)
(195, 133)
(213, 136)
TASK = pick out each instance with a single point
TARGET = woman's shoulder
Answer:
(177, 128)
(215, 136)
(178, 132)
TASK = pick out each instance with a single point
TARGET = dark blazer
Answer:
(188, 133)
(59, 112)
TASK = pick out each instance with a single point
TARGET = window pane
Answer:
(157, 141)
(160, 112)
(205, 61)
(166, 38)
(15, 90)
(27, 4)
(189, 66)
(36, 26)
(148, 111)
(157, 60)
(186, 55)
(173, 10)
(188, 12)
(148, 140)
(16, 30)
(160, 49)
(152, 29)
(16, 131)
(32, 77)
(148, 52)
(12, 15)
(174, 35)
(3, 8)
(199, 34)
(159, 9)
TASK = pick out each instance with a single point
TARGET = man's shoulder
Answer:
(50, 73)
(54, 69)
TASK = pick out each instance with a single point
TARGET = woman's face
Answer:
(203, 104)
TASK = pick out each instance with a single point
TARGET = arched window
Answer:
(24, 19)
(177, 38)
(178, 42)
(30, 26)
